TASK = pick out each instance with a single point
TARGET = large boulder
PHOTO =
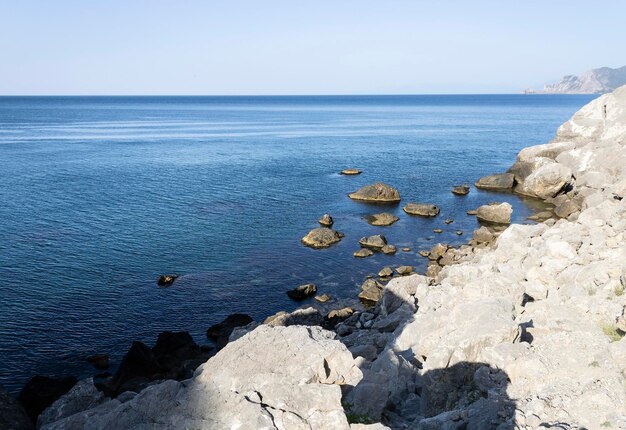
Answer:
(12, 414)
(376, 193)
(83, 396)
(271, 378)
(421, 209)
(495, 213)
(497, 182)
(321, 237)
(371, 291)
(545, 182)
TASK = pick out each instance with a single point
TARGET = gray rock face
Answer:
(81, 397)
(12, 415)
(421, 209)
(495, 213)
(383, 219)
(376, 193)
(545, 182)
(321, 237)
(497, 182)
(271, 378)
(594, 81)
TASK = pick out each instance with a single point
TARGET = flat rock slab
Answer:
(497, 182)
(376, 193)
(421, 209)
(382, 220)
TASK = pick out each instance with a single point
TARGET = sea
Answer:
(99, 196)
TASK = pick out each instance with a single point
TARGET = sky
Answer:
(240, 47)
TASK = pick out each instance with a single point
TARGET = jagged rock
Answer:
(166, 280)
(41, 391)
(376, 193)
(497, 182)
(433, 270)
(385, 272)
(547, 181)
(421, 209)
(307, 316)
(273, 377)
(321, 237)
(12, 414)
(382, 220)
(221, 332)
(371, 291)
(326, 221)
(404, 270)
(81, 397)
(483, 235)
(373, 242)
(437, 251)
(302, 292)
(495, 213)
(363, 253)
(461, 190)
(350, 172)
(388, 249)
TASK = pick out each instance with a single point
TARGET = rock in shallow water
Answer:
(376, 242)
(495, 213)
(461, 190)
(302, 292)
(497, 182)
(326, 221)
(388, 249)
(166, 280)
(351, 172)
(321, 237)
(363, 253)
(376, 193)
(421, 209)
(382, 220)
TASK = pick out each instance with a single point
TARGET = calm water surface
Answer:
(99, 196)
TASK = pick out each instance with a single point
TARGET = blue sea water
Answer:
(101, 195)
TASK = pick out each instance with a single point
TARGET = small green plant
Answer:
(606, 424)
(594, 364)
(353, 417)
(619, 290)
(612, 332)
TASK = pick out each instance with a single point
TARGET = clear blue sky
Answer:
(302, 47)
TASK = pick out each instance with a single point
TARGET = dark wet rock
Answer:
(388, 249)
(321, 237)
(41, 391)
(382, 220)
(12, 414)
(100, 361)
(323, 298)
(138, 367)
(421, 209)
(497, 182)
(302, 292)
(566, 208)
(404, 270)
(373, 242)
(376, 193)
(449, 221)
(371, 291)
(437, 230)
(221, 332)
(495, 213)
(326, 221)
(363, 253)
(385, 272)
(166, 280)
(172, 348)
(461, 190)
(308, 316)
(351, 172)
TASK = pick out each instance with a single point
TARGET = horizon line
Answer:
(295, 95)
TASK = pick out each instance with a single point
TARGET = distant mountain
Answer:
(595, 81)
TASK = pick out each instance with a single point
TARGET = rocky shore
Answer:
(522, 328)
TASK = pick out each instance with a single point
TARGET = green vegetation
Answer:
(612, 332)
(353, 417)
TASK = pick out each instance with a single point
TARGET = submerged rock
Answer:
(383, 219)
(166, 280)
(351, 172)
(421, 209)
(326, 221)
(363, 253)
(495, 213)
(497, 182)
(461, 190)
(321, 237)
(376, 193)
(302, 292)
(376, 242)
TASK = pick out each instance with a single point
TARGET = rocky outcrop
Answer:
(382, 220)
(321, 237)
(271, 378)
(326, 221)
(461, 190)
(594, 81)
(302, 292)
(497, 182)
(495, 213)
(376, 242)
(421, 209)
(376, 193)
(41, 391)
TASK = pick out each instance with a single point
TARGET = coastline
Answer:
(397, 348)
